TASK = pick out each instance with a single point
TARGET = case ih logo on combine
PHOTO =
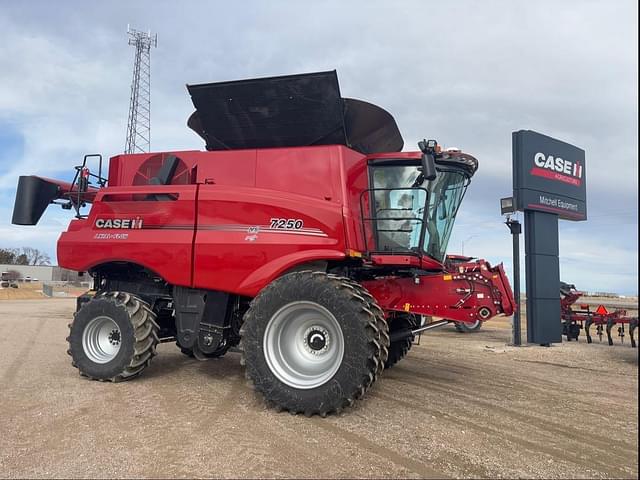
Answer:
(121, 223)
(555, 168)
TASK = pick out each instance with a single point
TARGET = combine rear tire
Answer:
(399, 349)
(113, 337)
(464, 327)
(310, 343)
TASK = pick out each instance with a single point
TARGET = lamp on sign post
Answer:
(507, 208)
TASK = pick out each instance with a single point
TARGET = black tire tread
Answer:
(381, 322)
(367, 318)
(143, 321)
(399, 349)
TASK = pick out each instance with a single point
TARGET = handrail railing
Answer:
(82, 181)
(374, 219)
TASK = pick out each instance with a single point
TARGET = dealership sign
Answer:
(549, 176)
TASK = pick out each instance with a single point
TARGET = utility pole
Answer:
(139, 123)
(507, 208)
(516, 229)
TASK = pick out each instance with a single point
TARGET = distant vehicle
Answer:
(7, 280)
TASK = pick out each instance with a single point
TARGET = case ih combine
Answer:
(303, 235)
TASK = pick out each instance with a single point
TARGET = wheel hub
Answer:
(316, 340)
(114, 337)
(101, 339)
(303, 344)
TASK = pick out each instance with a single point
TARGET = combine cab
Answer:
(303, 236)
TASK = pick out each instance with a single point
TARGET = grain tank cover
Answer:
(289, 111)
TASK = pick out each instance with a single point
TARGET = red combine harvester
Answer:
(573, 320)
(303, 235)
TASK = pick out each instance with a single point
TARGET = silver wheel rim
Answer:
(473, 325)
(303, 345)
(101, 340)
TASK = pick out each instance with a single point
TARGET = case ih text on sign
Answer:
(556, 168)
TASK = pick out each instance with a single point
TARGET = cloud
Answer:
(465, 73)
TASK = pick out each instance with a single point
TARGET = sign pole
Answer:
(516, 229)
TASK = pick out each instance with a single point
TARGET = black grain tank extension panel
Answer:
(289, 111)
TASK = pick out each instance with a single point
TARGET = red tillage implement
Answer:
(573, 320)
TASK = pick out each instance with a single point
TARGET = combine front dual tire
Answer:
(381, 322)
(399, 349)
(464, 327)
(311, 343)
(113, 337)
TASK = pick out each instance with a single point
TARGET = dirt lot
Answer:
(33, 291)
(458, 406)
(25, 291)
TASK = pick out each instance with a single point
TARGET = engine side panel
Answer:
(265, 211)
(152, 226)
(229, 220)
(246, 236)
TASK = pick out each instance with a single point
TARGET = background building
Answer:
(43, 273)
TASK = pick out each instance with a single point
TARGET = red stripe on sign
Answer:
(556, 210)
(541, 172)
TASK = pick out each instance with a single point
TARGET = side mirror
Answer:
(428, 149)
(429, 167)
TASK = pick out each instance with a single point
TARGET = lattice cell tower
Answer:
(139, 123)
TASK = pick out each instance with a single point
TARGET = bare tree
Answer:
(8, 255)
(35, 256)
(24, 256)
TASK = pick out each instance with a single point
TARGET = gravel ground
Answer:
(460, 405)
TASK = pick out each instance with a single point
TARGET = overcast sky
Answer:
(465, 73)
